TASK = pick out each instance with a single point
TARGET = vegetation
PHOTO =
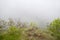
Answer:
(55, 28)
(16, 30)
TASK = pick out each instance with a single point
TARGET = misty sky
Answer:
(29, 10)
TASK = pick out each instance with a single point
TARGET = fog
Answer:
(41, 11)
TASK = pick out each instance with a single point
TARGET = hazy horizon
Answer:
(30, 10)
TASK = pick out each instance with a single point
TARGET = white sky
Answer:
(30, 9)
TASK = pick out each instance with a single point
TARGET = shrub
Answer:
(55, 29)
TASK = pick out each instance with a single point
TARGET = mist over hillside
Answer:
(40, 11)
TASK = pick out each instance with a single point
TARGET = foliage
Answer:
(13, 33)
(55, 29)
(21, 31)
(37, 34)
